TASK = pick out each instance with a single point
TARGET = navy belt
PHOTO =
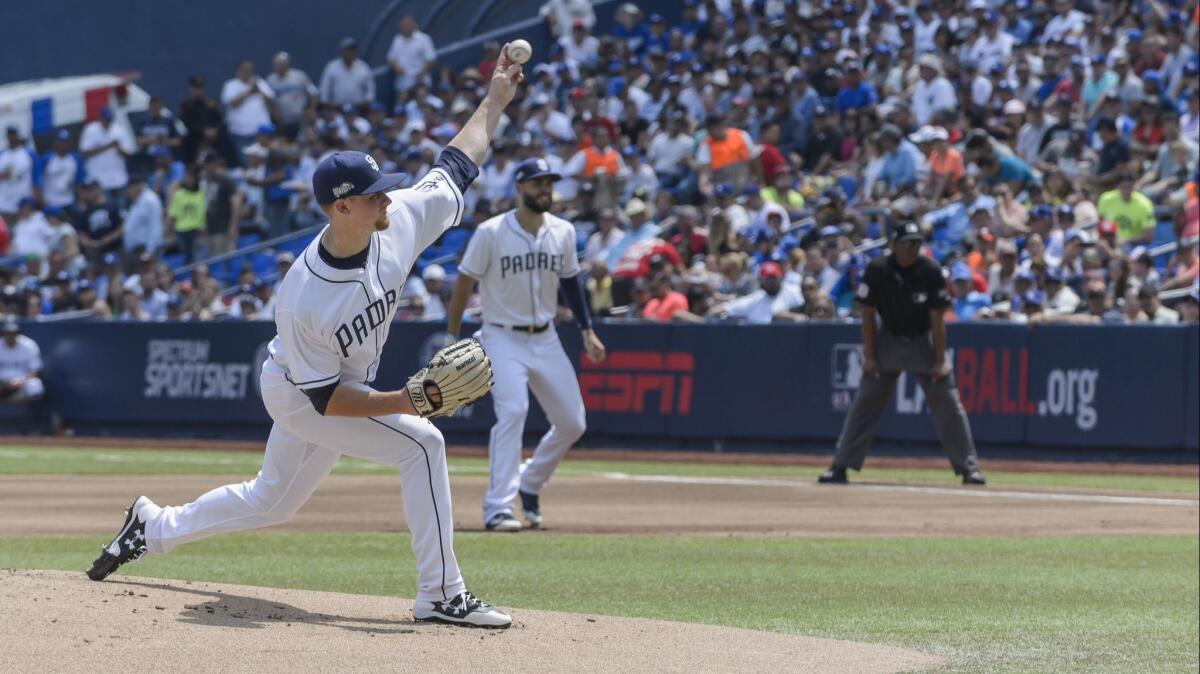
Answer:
(528, 329)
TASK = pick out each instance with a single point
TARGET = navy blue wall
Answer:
(1079, 387)
(168, 41)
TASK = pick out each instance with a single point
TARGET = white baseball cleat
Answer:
(533, 512)
(504, 522)
(466, 609)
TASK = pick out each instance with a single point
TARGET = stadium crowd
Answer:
(741, 164)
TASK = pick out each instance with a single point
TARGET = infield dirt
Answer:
(71, 504)
(63, 622)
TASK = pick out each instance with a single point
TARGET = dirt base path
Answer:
(66, 623)
(52, 504)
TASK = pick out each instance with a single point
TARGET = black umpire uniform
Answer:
(908, 292)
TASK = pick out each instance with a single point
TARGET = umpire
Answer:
(908, 293)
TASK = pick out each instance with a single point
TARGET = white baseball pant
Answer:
(303, 447)
(521, 363)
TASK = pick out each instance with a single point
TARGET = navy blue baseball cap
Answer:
(347, 174)
(534, 168)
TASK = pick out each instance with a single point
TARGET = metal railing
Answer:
(248, 250)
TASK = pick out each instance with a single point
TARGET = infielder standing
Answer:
(908, 293)
(333, 311)
(521, 259)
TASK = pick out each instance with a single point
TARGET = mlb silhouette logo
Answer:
(847, 367)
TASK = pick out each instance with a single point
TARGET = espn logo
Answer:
(625, 379)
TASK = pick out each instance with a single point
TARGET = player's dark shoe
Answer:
(974, 477)
(503, 522)
(529, 504)
(466, 609)
(129, 544)
(835, 475)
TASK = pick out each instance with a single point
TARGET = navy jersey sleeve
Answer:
(459, 166)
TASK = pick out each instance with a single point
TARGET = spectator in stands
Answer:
(105, 144)
(601, 166)
(435, 297)
(771, 302)
(933, 92)
(411, 55)
(143, 231)
(20, 366)
(60, 171)
(1189, 307)
(967, 301)
(1156, 313)
(727, 155)
(580, 47)
(561, 15)
(607, 235)
(222, 206)
(16, 173)
(347, 79)
(294, 93)
(205, 123)
(157, 129)
(98, 223)
(187, 214)
(1130, 210)
(1114, 154)
(31, 233)
(665, 302)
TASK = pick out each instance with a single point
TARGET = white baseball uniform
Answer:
(518, 276)
(332, 320)
(20, 360)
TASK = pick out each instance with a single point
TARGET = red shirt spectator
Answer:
(5, 236)
(637, 260)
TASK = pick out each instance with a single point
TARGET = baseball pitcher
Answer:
(333, 311)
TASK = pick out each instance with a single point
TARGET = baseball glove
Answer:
(460, 374)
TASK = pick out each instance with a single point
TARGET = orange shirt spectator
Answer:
(664, 301)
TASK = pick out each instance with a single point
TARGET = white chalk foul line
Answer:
(979, 493)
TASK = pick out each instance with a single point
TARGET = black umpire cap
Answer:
(534, 168)
(909, 231)
(347, 174)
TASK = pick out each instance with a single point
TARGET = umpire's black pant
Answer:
(915, 356)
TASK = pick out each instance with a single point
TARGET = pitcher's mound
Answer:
(65, 622)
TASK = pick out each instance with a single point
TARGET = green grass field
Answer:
(1072, 604)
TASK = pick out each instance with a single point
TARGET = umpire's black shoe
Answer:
(835, 475)
(129, 543)
(974, 477)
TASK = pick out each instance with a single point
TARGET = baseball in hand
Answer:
(519, 51)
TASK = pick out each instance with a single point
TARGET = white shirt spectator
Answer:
(584, 52)
(497, 181)
(1065, 301)
(557, 126)
(16, 177)
(32, 236)
(929, 97)
(667, 153)
(154, 307)
(20, 360)
(1029, 138)
(107, 168)
(643, 177)
(758, 308)
(341, 84)
(981, 91)
(985, 51)
(923, 34)
(1061, 26)
(410, 54)
(144, 222)
(59, 175)
(253, 112)
(565, 12)
(598, 245)
(1165, 316)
